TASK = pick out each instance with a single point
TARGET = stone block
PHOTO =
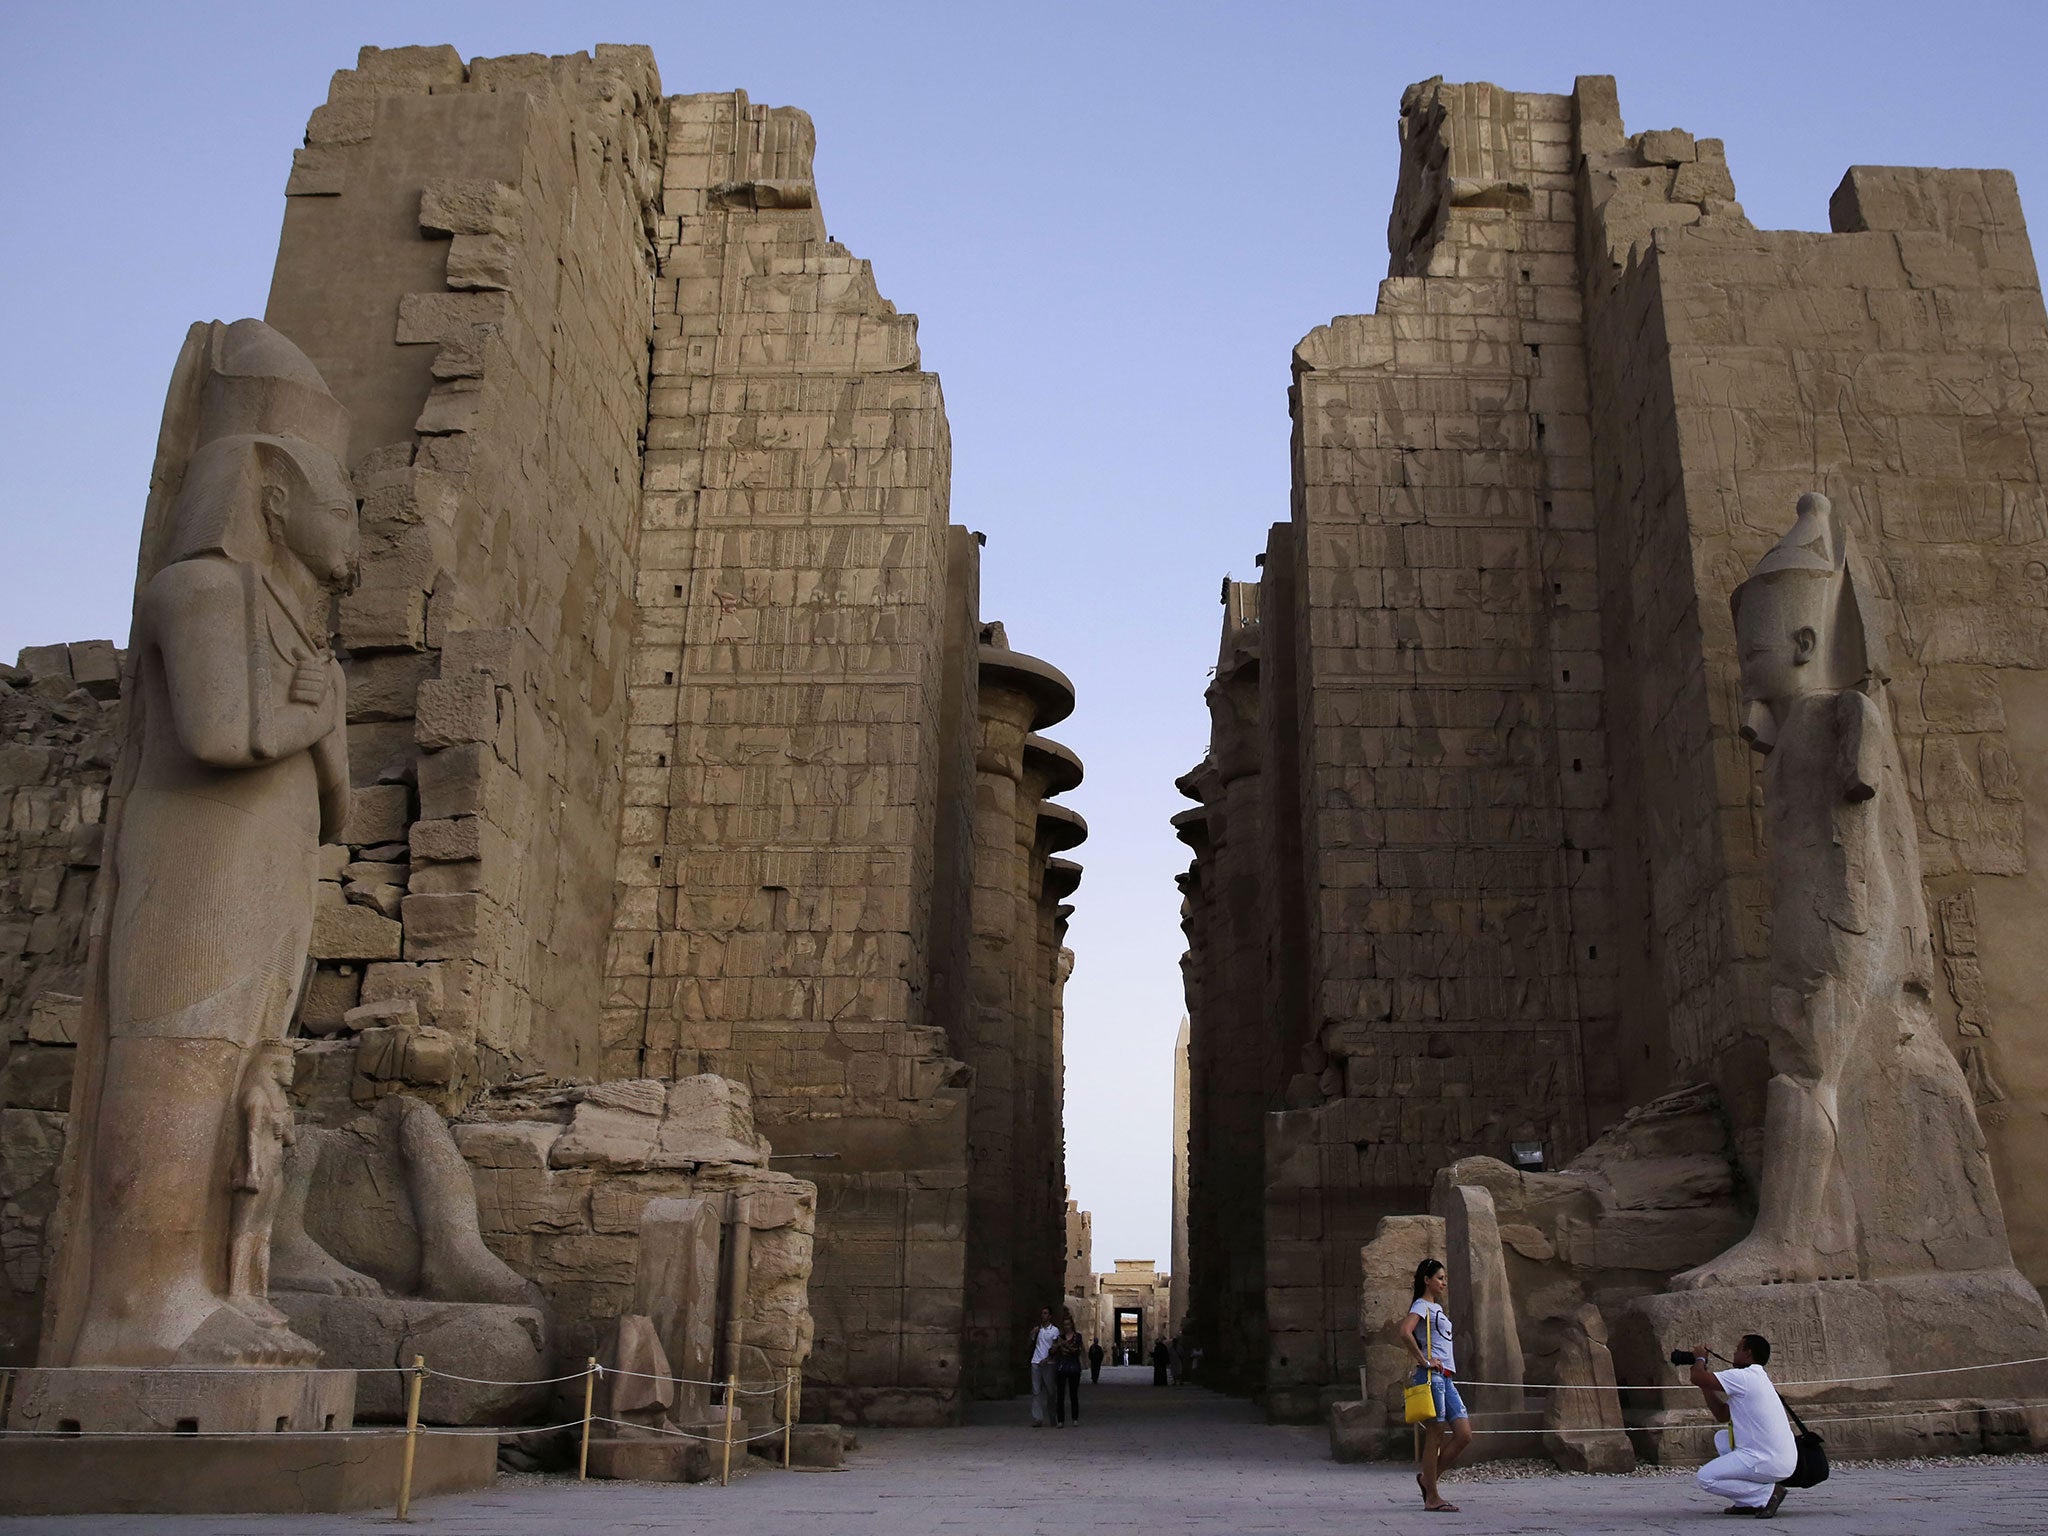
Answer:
(297, 1474)
(508, 1143)
(477, 1339)
(1666, 146)
(38, 1077)
(615, 1130)
(330, 992)
(349, 932)
(709, 1119)
(53, 1019)
(650, 1457)
(1359, 1432)
(811, 1445)
(676, 1286)
(378, 813)
(456, 708)
(384, 619)
(96, 667)
(421, 985)
(447, 840)
(453, 926)
(463, 781)
(46, 663)
(407, 1053)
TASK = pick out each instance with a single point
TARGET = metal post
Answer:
(412, 1436)
(788, 1412)
(589, 1388)
(732, 1402)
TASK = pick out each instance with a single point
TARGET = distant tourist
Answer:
(1160, 1355)
(1094, 1361)
(1066, 1372)
(1757, 1452)
(1043, 1337)
(1427, 1332)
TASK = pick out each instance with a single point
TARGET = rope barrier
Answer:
(682, 1381)
(684, 1434)
(1837, 1381)
(487, 1381)
(1665, 1429)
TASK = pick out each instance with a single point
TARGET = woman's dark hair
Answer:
(1423, 1273)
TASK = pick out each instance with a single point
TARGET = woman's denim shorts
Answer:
(1449, 1405)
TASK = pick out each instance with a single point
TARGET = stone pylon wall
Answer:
(1588, 401)
(665, 686)
(465, 257)
(1898, 364)
(1449, 696)
(815, 896)
(1230, 927)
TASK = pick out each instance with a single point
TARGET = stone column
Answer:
(1018, 693)
(1055, 829)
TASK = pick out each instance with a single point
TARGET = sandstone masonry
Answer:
(679, 743)
(1478, 862)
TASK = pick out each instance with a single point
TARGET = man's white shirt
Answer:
(1758, 1418)
(1045, 1338)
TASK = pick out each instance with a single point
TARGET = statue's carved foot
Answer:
(229, 1336)
(1753, 1261)
(458, 1267)
(257, 1310)
(303, 1265)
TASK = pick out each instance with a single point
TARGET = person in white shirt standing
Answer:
(1043, 1337)
(1757, 1450)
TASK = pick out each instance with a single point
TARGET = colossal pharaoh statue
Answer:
(1873, 1163)
(234, 770)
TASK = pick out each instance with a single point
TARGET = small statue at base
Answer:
(267, 1131)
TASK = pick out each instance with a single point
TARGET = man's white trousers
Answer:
(1741, 1476)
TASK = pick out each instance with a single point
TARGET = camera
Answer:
(1683, 1357)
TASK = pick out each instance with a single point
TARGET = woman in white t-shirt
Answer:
(1426, 1330)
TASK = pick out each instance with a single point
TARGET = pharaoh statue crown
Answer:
(1811, 573)
(237, 379)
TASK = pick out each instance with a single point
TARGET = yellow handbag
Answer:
(1418, 1402)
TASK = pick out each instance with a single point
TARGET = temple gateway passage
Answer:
(551, 930)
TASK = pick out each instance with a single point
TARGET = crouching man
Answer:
(1756, 1450)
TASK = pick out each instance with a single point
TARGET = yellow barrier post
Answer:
(589, 1389)
(788, 1413)
(412, 1436)
(732, 1402)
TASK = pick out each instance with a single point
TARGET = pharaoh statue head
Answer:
(250, 463)
(1800, 625)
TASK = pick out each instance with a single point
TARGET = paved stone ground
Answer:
(1156, 1462)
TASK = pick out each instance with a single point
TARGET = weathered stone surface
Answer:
(1582, 1414)
(1386, 1286)
(347, 931)
(1482, 1310)
(372, 1334)
(1480, 863)
(238, 770)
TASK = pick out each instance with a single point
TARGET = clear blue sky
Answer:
(1113, 220)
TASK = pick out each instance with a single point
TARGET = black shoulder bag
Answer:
(1812, 1451)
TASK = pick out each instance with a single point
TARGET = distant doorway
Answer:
(1129, 1333)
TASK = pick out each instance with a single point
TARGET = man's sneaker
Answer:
(1770, 1510)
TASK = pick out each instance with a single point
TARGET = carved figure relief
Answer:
(1873, 1160)
(234, 769)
